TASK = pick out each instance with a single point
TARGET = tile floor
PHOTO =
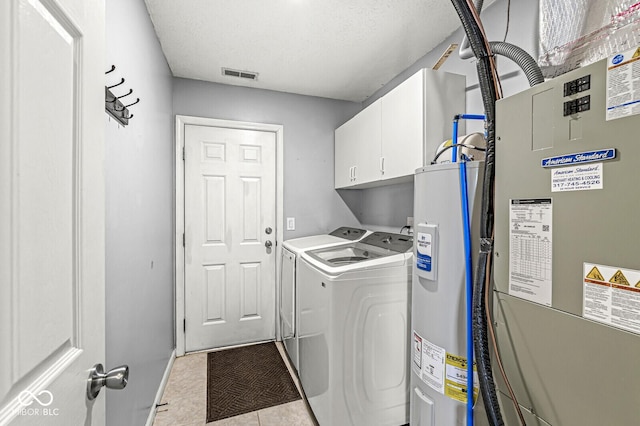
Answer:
(186, 399)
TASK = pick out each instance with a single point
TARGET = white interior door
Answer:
(51, 210)
(230, 221)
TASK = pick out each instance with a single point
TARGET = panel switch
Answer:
(291, 224)
(578, 85)
(578, 105)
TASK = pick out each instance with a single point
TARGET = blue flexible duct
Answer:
(466, 227)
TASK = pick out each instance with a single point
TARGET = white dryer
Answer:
(290, 252)
(354, 304)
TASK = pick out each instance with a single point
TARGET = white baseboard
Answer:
(163, 384)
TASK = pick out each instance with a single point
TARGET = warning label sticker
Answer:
(623, 78)
(417, 350)
(432, 371)
(595, 274)
(456, 380)
(619, 278)
(612, 300)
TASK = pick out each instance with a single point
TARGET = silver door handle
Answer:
(268, 244)
(268, 230)
(115, 378)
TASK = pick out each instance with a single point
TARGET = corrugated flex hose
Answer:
(489, 96)
(518, 55)
(465, 51)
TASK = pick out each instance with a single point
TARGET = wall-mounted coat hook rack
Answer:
(122, 96)
(113, 106)
(133, 103)
(117, 84)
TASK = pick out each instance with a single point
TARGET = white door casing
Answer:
(51, 210)
(230, 198)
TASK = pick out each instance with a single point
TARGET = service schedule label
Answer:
(530, 249)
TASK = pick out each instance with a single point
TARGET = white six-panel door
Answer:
(51, 210)
(230, 220)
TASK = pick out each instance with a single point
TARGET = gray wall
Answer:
(309, 123)
(523, 32)
(389, 206)
(139, 218)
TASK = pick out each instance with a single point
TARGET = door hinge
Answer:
(183, 155)
(183, 240)
(184, 325)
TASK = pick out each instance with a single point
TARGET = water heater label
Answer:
(424, 251)
(611, 295)
(417, 350)
(623, 98)
(530, 249)
(433, 360)
(456, 378)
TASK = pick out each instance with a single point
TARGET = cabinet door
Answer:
(344, 154)
(367, 147)
(403, 116)
(357, 148)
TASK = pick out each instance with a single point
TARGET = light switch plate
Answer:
(291, 224)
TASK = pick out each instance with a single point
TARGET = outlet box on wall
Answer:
(409, 220)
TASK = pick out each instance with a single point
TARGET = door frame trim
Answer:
(181, 121)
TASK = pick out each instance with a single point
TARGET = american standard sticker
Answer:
(577, 178)
(579, 157)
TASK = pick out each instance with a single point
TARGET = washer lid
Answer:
(375, 246)
(397, 243)
(346, 254)
(348, 233)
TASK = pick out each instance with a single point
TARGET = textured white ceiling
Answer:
(340, 49)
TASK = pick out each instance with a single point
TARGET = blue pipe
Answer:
(454, 141)
(466, 226)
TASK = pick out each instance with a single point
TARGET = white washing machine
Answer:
(290, 252)
(354, 305)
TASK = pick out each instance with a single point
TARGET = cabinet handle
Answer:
(351, 173)
(355, 172)
(382, 165)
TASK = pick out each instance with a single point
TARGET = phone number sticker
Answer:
(577, 178)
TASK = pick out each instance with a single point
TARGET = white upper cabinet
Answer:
(391, 138)
(357, 148)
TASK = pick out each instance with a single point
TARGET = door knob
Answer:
(268, 230)
(115, 378)
(268, 244)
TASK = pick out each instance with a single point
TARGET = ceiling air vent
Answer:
(249, 75)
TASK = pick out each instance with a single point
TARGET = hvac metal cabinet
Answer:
(566, 369)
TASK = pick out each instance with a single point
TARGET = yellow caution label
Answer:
(638, 284)
(619, 278)
(635, 55)
(595, 274)
(455, 383)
